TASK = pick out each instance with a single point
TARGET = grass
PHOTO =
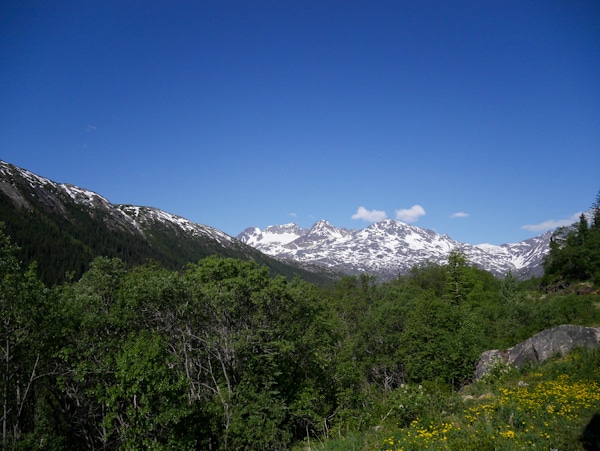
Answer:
(543, 415)
(555, 406)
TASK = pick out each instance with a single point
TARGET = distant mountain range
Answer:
(389, 247)
(63, 227)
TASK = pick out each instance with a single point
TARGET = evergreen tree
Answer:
(596, 213)
(575, 252)
(456, 282)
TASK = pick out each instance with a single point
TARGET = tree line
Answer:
(575, 251)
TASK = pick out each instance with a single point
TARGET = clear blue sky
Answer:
(477, 119)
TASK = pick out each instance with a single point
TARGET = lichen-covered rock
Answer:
(540, 347)
(548, 343)
(488, 360)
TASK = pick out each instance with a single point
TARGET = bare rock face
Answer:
(540, 347)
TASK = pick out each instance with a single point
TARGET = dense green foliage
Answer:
(575, 252)
(223, 355)
(552, 406)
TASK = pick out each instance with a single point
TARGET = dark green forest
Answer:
(222, 355)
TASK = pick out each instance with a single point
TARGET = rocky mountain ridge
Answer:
(63, 227)
(388, 248)
(126, 217)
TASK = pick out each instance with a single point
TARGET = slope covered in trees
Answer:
(575, 252)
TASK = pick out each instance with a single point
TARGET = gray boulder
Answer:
(488, 360)
(540, 347)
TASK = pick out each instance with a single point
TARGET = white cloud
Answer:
(460, 214)
(293, 215)
(551, 224)
(369, 215)
(411, 214)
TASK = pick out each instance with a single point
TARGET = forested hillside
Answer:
(221, 355)
(63, 228)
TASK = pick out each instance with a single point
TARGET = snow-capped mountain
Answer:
(54, 196)
(390, 247)
(63, 227)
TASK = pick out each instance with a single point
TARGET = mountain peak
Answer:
(290, 227)
(324, 230)
(272, 236)
(389, 247)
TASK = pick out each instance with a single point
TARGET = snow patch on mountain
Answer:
(147, 215)
(389, 247)
(126, 217)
